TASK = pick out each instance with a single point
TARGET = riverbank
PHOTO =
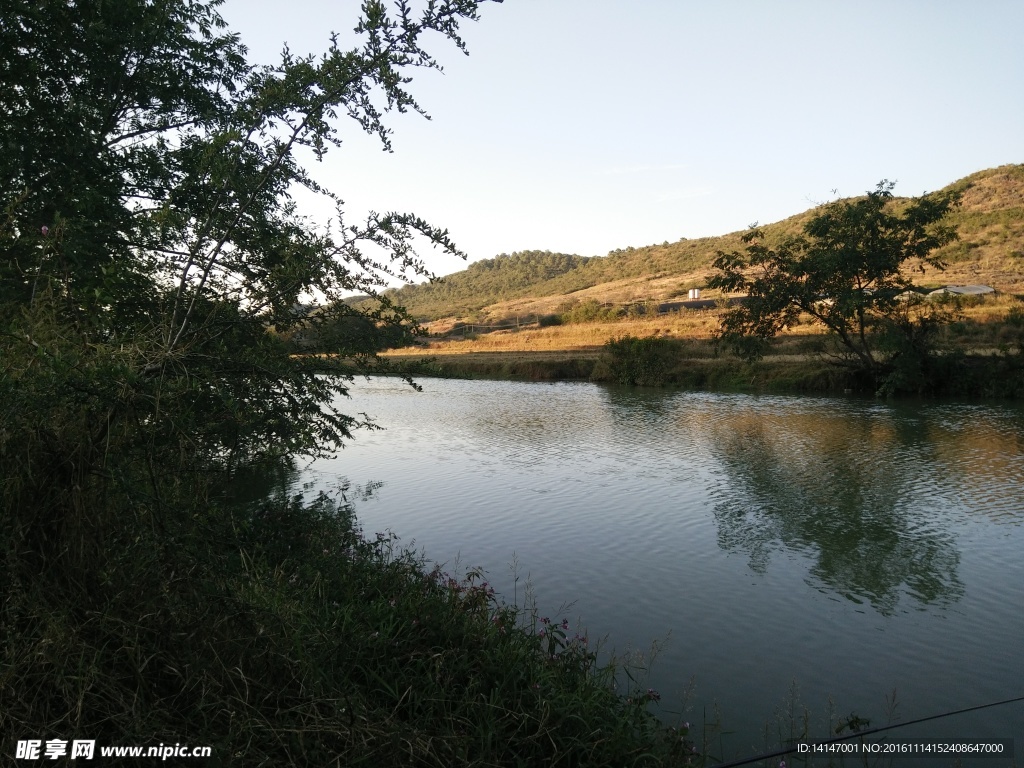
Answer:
(778, 373)
(980, 355)
(960, 375)
(277, 633)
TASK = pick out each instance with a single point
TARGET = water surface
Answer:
(840, 548)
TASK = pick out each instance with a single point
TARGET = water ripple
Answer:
(770, 536)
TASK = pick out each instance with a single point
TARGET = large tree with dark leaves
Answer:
(848, 273)
(152, 253)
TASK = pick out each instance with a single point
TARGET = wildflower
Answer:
(653, 695)
(782, 764)
(45, 230)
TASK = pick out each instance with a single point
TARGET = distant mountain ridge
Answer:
(990, 250)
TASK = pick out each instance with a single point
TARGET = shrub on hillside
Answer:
(589, 311)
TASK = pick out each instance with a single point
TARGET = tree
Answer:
(151, 242)
(845, 272)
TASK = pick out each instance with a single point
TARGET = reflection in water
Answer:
(983, 449)
(850, 493)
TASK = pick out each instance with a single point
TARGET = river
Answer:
(787, 554)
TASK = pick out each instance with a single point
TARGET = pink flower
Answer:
(45, 230)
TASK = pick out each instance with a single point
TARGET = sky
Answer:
(584, 126)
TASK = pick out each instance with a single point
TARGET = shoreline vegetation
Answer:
(277, 633)
(979, 355)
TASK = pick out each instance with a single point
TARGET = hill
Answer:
(990, 250)
(488, 281)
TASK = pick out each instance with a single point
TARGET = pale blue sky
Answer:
(587, 125)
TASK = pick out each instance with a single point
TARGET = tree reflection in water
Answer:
(854, 492)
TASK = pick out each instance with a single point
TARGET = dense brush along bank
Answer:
(276, 633)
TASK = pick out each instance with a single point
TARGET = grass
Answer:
(279, 634)
(576, 337)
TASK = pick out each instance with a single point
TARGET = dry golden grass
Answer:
(586, 339)
(625, 291)
(583, 337)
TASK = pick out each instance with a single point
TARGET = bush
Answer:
(589, 311)
(639, 361)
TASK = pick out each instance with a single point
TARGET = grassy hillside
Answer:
(990, 250)
(991, 226)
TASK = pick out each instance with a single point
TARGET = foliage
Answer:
(587, 311)
(518, 275)
(844, 272)
(157, 279)
(640, 361)
(152, 243)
